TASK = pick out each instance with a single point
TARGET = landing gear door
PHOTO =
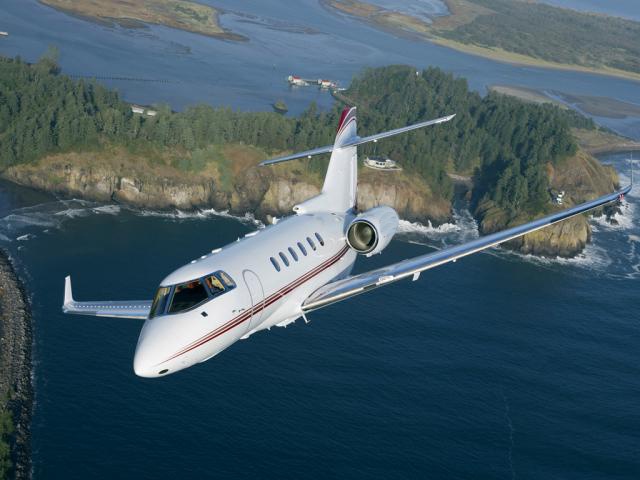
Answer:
(256, 291)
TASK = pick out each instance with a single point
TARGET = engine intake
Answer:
(371, 231)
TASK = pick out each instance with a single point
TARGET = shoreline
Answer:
(402, 24)
(216, 30)
(16, 364)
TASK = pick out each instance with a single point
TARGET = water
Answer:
(497, 366)
(424, 9)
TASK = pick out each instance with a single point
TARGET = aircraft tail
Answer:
(341, 180)
(339, 191)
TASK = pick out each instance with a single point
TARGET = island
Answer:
(79, 139)
(180, 14)
(519, 32)
(16, 396)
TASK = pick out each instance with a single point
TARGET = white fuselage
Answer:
(263, 296)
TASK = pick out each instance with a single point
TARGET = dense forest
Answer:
(505, 142)
(554, 34)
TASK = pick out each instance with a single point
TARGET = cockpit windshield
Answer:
(185, 296)
(160, 301)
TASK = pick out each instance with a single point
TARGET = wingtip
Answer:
(68, 294)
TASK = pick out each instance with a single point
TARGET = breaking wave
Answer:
(21, 223)
(196, 214)
(463, 229)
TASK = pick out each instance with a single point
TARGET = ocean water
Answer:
(497, 366)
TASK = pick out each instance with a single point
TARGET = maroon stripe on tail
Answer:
(345, 112)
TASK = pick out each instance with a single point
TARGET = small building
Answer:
(326, 83)
(143, 111)
(381, 163)
(295, 80)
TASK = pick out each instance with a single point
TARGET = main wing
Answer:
(357, 284)
(138, 309)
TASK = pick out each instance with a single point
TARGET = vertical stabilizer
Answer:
(341, 181)
(339, 191)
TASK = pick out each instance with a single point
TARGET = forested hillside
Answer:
(553, 34)
(504, 142)
(507, 143)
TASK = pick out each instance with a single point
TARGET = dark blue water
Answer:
(498, 366)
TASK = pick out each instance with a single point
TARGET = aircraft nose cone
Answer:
(146, 362)
(141, 364)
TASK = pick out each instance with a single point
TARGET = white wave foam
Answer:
(593, 258)
(14, 221)
(108, 209)
(197, 214)
(464, 228)
(73, 212)
(415, 227)
(4, 238)
(623, 220)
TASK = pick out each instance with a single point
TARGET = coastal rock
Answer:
(582, 178)
(15, 365)
(261, 191)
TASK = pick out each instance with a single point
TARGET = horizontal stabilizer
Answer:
(137, 309)
(356, 141)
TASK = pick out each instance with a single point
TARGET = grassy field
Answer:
(520, 33)
(181, 14)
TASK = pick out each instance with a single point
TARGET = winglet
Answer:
(68, 294)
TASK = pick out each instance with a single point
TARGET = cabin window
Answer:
(284, 259)
(311, 244)
(218, 283)
(159, 302)
(214, 285)
(302, 249)
(226, 280)
(275, 264)
(293, 253)
(320, 239)
(188, 295)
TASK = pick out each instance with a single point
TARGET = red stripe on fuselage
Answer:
(234, 322)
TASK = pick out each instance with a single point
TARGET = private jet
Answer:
(278, 274)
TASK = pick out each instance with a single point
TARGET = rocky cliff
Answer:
(116, 175)
(264, 191)
(582, 178)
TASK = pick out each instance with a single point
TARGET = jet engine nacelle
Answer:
(371, 231)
